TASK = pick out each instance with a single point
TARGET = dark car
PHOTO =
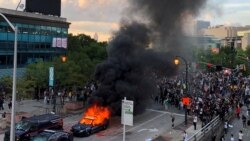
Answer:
(88, 128)
(29, 127)
(53, 135)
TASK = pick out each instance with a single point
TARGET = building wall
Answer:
(245, 40)
(200, 25)
(35, 39)
(223, 32)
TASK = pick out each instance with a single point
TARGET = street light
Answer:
(12, 132)
(63, 58)
(177, 62)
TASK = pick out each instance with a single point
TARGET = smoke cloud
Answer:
(151, 34)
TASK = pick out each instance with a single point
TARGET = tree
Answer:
(83, 55)
(37, 75)
(6, 85)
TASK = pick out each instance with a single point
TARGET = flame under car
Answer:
(95, 119)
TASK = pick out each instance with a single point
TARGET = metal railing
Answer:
(213, 128)
(207, 128)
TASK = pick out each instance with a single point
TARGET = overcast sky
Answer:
(102, 16)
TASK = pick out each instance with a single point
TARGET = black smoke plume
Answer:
(142, 48)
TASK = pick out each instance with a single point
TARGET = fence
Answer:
(213, 128)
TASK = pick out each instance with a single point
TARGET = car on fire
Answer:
(86, 126)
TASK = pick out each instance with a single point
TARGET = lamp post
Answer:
(12, 132)
(177, 62)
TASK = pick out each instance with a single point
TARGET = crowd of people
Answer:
(211, 94)
(74, 94)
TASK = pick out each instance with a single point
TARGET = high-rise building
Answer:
(200, 25)
(40, 37)
(227, 34)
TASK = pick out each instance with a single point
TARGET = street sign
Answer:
(51, 76)
(127, 112)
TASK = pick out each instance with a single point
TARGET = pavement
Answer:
(153, 124)
(237, 126)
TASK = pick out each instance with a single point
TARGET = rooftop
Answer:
(32, 15)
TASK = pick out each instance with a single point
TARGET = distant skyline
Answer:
(103, 16)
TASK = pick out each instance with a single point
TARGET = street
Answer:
(146, 126)
(152, 123)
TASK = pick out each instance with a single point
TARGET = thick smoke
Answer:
(132, 57)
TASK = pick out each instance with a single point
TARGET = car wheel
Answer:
(105, 126)
(88, 133)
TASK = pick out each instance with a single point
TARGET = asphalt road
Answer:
(146, 126)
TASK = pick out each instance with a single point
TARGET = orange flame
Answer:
(95, 115)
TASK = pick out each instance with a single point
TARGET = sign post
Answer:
(127, 114)
(51, 76)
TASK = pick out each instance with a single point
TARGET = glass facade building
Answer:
(37, 37)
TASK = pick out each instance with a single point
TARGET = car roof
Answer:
(52, 133)
(42, 118)
(89, 117)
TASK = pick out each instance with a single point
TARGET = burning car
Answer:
(95, 119)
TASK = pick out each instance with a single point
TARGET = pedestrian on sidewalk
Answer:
(172, 119)
(10, 104)
(185, 136)
(165, 102)
(238, 112)
(222, 138)
(4, 115)
(232, 137)
(244, 121)
(1, 103)
(225, 127)
(195, 121)
(240, 136)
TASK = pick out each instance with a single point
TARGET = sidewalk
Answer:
(237, 126)
(33, 107)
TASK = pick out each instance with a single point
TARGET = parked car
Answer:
(31, 126)
(86, 129)
(53, 135)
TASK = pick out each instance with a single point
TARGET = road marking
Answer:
(164, 112)
(138, 125)
(150, 130)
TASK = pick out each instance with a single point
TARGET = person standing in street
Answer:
(195, 122)
(240, 136)
(225, 126)
(238, 112)
(185, 136)
(173, 119)
(165, 102)
(232, 137)
(244, 121)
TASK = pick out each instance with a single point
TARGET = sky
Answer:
(103, 16)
